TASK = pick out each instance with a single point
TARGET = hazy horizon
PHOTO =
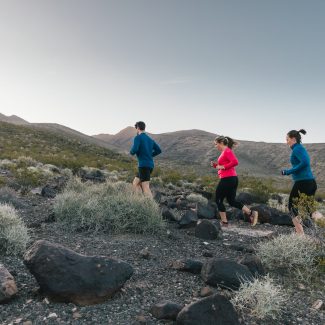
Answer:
(251, 70)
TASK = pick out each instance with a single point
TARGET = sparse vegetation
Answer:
(262, 298)
(261, 188)
(111, 207)
(13, 232)
(292, 254)
(9, 196)
(53, 148)
(197, 198)
(306, 205)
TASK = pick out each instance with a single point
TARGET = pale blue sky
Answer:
(250, 69)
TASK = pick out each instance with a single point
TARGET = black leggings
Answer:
(227, 188)
(307, 187)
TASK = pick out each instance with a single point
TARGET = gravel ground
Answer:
(153, 279)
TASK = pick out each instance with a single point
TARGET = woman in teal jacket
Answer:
(304, 181)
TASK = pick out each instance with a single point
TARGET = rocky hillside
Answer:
(13, 119)
(195, 148)
(58, 147)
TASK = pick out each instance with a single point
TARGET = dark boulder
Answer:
(166, 310)
(191, 266)
(254, 264)
(225, 273)
(188, 219)
(67, 276)
(213, 310)
(208, 211)
(207, 229)
(273, 216)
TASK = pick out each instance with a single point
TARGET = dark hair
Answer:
(141, 125)
(296, 134)
(227, 141)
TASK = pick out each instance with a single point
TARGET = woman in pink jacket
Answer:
(228, 184)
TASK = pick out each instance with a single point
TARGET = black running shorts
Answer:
(144, 173)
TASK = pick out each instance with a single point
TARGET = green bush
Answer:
(305, 204)
(30, 177)
(111, 207)
(13, 233)
(261, 299)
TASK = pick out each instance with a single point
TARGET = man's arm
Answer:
(135, 147)
(156, 149)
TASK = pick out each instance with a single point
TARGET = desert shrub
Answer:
(171, 176)
(262, 298)
(320, 223)
(3, 181)
(209, 183)
(305, 204)
(9, 196)
(24, 161)
(282, 204)
(112, 207)
(197, 198)
(30, 177)
(261, 188)
(13, 232)
(290, 253)
(6, 164)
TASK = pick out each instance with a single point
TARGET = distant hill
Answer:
(68, 132)
(13, 119)
(57, 147)
(195, 148)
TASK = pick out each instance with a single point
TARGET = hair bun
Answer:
(302, 131)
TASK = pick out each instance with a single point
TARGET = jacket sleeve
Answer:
(233, 161)
(303, 158)
(135, 147)
(156, 149)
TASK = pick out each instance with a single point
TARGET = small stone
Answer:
(52, 316)
(28, 322)
(318, 304)
(46, 301)
(76, 315)
(207, 254)
(18, 321)
(144, 253)
(141, 319)
(206, 291)
(301, 287)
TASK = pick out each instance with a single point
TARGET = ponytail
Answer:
(296, 134)
(227, 141)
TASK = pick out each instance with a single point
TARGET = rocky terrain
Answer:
(165, 267)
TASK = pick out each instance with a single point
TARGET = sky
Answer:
(252, 69)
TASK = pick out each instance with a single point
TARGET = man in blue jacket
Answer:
(145, 149)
